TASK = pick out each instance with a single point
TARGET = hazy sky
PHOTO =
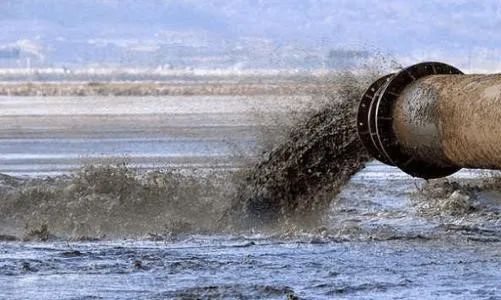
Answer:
(464, 31)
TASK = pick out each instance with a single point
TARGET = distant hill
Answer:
(244, 34)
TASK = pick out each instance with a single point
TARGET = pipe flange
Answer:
(385, 136)
(365, 124)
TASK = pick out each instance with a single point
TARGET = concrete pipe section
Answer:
(430, 120)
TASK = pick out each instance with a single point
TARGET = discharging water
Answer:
(380, 240)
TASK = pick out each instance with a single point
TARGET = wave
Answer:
(112, 202)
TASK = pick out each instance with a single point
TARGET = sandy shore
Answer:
(162, 89)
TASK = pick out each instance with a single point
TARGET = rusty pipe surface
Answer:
(430, 120)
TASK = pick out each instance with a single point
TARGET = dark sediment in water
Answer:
(296, 180)
(110, 202)
(449, 198)
(293, 182)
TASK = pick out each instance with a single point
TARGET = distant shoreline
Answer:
(160, 88)
(160, 75)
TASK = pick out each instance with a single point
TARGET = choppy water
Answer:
(250, 268)
(375, 243)
(374, 246)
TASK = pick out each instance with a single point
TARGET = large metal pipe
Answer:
(430, 120)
